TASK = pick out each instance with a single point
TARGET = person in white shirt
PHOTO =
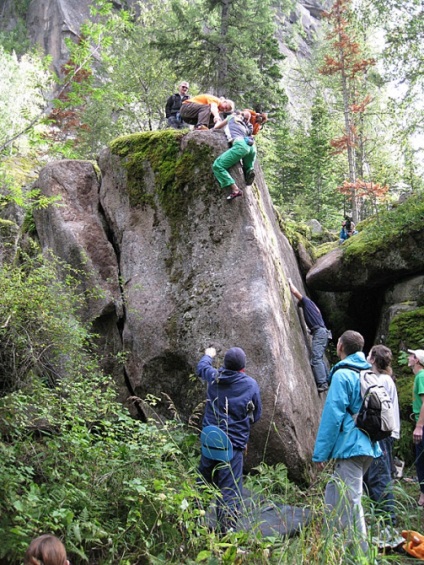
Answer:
(379, 477)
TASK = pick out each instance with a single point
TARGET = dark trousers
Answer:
(197, 114)
(379, 480)
(176, 123)
(228, 477)
(419, 463)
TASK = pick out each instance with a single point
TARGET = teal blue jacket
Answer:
(338, 437)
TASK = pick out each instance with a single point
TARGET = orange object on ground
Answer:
(414, 544)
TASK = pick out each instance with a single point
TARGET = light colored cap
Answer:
(419, 354)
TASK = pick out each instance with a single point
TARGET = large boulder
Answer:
(373, 282)
(199, 271)
(181, 269)
(72, 229)
(352, 266)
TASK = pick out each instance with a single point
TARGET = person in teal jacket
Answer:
(340, 440)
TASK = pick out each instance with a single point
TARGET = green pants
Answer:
(239, 151)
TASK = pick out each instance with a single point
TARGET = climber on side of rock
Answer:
(238, 130)
(320, 335)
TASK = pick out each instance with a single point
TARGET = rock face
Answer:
(404, 296)
(50, 22)
(337, 272)
(74, 232)
(195, 271)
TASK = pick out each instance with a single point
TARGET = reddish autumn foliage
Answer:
(364, 189)
(360, 107)
(341, 143)
(347, 63)
(66, 116)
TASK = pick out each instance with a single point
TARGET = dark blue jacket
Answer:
(228, 396)
(311, 313)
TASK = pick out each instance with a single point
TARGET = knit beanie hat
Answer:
(235, 359)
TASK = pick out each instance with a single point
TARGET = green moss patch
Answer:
(324, 248)
(179, 175)
(385, 230)
(406, 331)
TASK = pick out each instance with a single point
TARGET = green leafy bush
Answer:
(39, 331)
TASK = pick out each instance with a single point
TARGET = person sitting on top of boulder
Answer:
(203, 110)
(238, 130)
(173, 106)
(348, 229)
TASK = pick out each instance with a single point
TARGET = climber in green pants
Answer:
(242, 148)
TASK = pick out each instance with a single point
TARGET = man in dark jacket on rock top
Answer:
(173, 106)
(233, 404)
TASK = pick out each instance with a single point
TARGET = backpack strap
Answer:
(356, 370)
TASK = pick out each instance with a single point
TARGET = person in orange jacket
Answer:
(203, 110)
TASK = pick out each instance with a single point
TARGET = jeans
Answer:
(419, 463)
(343, 496)
(379, 480)
(228, 477)
(319, 343)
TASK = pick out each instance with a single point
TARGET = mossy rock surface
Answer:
(389, 247)
(178, 172)
(198, 270)
(406, 331)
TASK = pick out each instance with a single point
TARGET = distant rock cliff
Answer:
(182, 269)
(50, 22)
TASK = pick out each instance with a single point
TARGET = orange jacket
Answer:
(203, 99)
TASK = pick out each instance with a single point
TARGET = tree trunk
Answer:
(223, 48)
(348, 123)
